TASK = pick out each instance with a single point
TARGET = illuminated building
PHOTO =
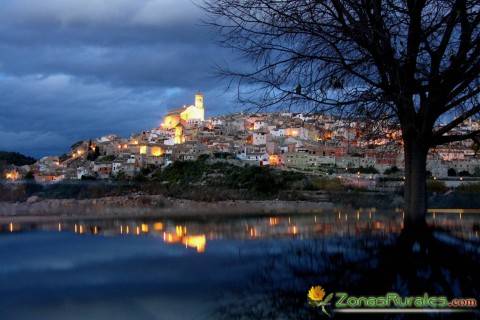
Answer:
(274, 160)
(185, 114)
(177, 119)
(156, 151)
(179, 138)
(12, 175)
(151, 150)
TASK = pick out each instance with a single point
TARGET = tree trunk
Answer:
(415, 192)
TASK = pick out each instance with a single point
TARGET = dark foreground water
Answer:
(193, 269)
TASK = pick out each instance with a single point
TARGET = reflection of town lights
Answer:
(294, 230)
(171, 237)
(137, 229)
(273, 221)
(158, 226)
(59, 227)
(180, 231)
(198, 242)
(144, 228)
(121, 229)
(10, 227)
(127, 229)
(81, 229)
(95, 230)
(75, 228)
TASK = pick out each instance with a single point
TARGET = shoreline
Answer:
(142, 206)
(148, 206)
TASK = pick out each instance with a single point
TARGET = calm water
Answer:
(166, 268)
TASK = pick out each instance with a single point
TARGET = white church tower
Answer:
(199, 100)
(197, 111)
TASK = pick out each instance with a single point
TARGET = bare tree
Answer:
(411, 63)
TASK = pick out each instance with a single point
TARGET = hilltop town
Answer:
(317, 144)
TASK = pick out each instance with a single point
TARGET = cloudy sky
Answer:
(78, 69)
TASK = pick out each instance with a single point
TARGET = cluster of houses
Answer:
(316, 143)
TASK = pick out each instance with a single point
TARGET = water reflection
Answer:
(246, 267)
(196, 233)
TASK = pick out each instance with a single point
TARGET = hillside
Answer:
(15, 158)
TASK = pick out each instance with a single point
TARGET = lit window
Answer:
(157, 151)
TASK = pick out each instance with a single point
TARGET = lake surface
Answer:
(168, 268)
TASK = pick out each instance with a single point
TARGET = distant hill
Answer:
(15, 158)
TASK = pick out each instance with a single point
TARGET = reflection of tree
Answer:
(366, 266)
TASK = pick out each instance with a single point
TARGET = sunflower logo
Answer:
(316, 298)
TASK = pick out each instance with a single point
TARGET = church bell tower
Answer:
(199, 100)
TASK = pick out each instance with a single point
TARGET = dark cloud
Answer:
(75, 69)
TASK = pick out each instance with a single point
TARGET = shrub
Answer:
(476, 172)
(181, 172)
(29, 176)
(367, 170)
(436, 186)
(94, 154)
(121, 176)
(18, 191)
(259, 179)
(140, 177)
(327, 184)
(88, 178)
(108, 158)
(469, 187)
(221, 174)
(223, 155)
(391, 170)
(464, 173)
